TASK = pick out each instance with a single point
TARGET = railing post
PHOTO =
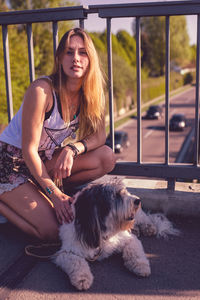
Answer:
(110, 81)
(171, 184)
(55, 36)
(167, 87)
(7, 72)
(196, 149)
(30, 52)
(138, 61)
(81, 23)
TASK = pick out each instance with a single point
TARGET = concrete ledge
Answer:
(184, 200)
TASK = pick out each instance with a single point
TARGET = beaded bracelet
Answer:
(85, 145)
(50, 189)
(74, 149)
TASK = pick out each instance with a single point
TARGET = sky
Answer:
(94, 23)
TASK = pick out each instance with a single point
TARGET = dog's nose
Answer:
(137, 202)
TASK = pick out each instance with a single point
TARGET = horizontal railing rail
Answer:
(166, 170)
(43, 15)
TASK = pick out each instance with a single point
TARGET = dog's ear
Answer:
(91, 210)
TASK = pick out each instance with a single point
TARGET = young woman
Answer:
(69, 104)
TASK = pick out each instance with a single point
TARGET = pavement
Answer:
(174, 264)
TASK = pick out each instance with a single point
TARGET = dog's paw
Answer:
(148, 229)
(82, 281)
(142, 269)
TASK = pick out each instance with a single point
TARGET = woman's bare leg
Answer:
(28, 209)
(92, 165)
(89, 166)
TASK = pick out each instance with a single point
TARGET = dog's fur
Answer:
(104, 216)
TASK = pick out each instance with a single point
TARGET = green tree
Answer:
(42, 32)
(179, 40)
(19, 70)
(3, 5)
(129, 45)
(153, 42)
(124, 80)
(43, 51)
(99, 45)
(124, 74)
(117, 48)
(193, 51)
(152, 29)
(38, 4)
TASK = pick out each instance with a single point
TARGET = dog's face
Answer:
(130, 205)
(102, 210)
(122, 214)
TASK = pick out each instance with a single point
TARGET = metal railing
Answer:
(166, 170)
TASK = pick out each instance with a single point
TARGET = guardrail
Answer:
(164, 170)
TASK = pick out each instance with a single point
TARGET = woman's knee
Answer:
(108, 160)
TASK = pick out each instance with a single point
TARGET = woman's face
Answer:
(75, 60)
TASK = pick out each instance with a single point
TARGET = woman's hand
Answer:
(62, 205)
(64, 164)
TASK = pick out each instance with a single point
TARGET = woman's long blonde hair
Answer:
(92, 101)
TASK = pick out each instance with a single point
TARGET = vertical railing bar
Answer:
(81, 23)
(167, 86)
(55, 36)
(110, 81)
(196, 150)
(7, 72)
(138, 62)
(30, 52)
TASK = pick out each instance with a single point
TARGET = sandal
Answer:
(44, 251)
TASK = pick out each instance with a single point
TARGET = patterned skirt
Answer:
(13, 169)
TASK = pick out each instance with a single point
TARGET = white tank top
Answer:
(54, 130)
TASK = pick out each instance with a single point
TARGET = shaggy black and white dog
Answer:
(104, 216)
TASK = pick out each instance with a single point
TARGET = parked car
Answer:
(154, 112)
(177, 122)
(121, 141)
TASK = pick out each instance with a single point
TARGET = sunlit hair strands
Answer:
(92, 105)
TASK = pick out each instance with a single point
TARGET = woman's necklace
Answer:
(73, 109)
(73, 106)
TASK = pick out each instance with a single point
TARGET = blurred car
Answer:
(121, 141)
(154, 112)
(177, 122)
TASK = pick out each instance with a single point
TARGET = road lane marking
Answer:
(148, 134)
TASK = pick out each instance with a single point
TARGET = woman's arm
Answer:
(64, 162)
(38, 99)
(96, 139)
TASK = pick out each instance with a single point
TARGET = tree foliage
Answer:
(123, 49)
(193, 50)
(129, 45)
(43, 50)
(124, 74)
(38, 4)
(99, 44)
(179, 40)
(153, 42)
(117, 48)
(3, 5)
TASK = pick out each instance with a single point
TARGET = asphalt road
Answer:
(153, 133)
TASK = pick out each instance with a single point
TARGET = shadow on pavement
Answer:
(174, 263)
